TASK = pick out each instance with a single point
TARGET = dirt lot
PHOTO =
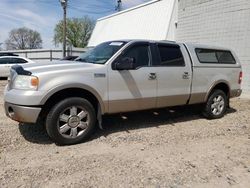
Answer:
(166, 148)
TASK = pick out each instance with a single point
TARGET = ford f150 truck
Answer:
(121, 76)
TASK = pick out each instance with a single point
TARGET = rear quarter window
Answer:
(215, 56)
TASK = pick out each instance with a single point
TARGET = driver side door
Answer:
(131, 90)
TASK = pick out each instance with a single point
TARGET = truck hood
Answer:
(59, 66)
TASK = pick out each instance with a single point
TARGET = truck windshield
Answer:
(101, 53)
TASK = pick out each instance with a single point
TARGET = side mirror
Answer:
(126, 63)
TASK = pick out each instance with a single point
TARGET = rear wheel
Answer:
(71, 121)
(216, 105)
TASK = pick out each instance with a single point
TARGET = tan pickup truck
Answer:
(121, 76)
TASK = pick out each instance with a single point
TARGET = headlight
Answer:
(25, 82)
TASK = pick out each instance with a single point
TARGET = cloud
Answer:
(25, 16)
(42, 15)
(14, 18)
(29, 15)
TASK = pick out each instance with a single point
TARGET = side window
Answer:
(215, 56)
(1, 61)
(17, 61)
(225, 57)
(206, 56)
(170, 55)
(4, 61)
(140, 54)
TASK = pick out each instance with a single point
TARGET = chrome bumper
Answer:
(22, 114)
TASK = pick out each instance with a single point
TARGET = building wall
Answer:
(218, 22)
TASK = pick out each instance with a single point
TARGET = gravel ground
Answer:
(163, 148)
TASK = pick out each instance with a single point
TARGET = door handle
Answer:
(152, 76)
(185, 75)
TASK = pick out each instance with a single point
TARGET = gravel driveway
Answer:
(162, 148)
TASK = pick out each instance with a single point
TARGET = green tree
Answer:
(23, 38)
(78, 31)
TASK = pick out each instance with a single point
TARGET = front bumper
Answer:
(22, 114)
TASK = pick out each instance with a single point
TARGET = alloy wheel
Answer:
(217, 105)
(73, 122)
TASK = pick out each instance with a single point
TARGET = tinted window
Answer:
(17, 61)
(170, 55)
(4, 60)
(215, 56)
(139, 53)
(225, 57)
(101, 53)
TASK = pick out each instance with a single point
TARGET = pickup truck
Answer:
(121, 76)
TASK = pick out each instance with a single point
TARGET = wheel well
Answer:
(222, 86)
(66, 93)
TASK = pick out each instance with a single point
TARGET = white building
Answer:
(217, 22)
(153, 20)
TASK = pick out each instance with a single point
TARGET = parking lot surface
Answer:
(162, 148)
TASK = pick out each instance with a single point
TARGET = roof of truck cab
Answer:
(192, 45)
(143, 40)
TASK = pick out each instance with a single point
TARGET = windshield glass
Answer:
(101, 53)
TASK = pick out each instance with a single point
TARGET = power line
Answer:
(89, 12)
(98, 8)
(94, 4)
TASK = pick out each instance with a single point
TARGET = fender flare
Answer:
(77, 86)
(214, 85)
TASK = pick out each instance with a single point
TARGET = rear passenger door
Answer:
(174, 74)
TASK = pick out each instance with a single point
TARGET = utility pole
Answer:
(64, 6)
(119, 5)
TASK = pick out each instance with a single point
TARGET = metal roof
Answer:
(154, 20)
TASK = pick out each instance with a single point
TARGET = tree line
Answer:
(78, 34)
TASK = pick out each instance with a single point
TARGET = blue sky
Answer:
(42, 15)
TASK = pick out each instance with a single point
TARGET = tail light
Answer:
(240, 77)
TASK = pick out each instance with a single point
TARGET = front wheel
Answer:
(216, 105)
(71, 121)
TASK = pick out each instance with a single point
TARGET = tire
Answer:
(71, 121)
(216, 105)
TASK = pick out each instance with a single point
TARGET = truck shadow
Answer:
(151, 118)
(34, 133)
(125, 122)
